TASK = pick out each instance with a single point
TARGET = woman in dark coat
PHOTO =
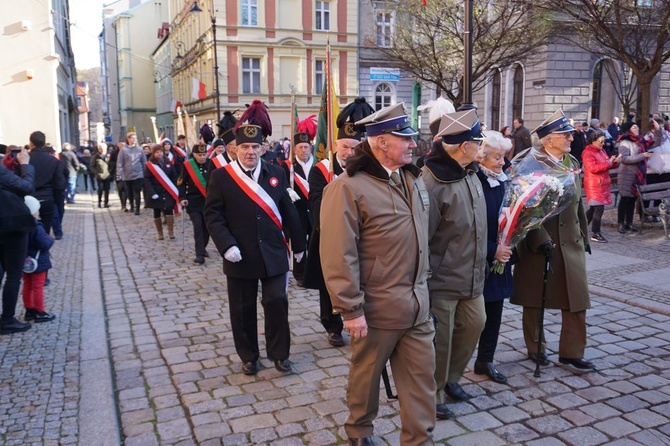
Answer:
(498, 287)
(158, 178)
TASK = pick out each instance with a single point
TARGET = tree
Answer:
(428, 40)
(635, 32)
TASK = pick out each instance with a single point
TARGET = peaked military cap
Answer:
(249, 133)
(460, 126)
(389, 120)
(300, 137)
(556, 123)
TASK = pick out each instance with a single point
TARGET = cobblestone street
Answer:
(142, 354)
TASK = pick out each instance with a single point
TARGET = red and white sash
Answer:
(220, 161)
(167, 184)
(324, 167)
(179, 151)
(299, 181)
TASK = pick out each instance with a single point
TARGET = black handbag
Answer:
(14, 214)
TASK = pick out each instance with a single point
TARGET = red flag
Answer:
(198, 91)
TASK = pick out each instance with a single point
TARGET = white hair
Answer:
(494, 141)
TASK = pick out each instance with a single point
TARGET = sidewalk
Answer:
(142, 353)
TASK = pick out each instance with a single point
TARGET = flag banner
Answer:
(328, 112)
(191, 133)
(198, 89)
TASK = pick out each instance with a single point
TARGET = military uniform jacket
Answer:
(189, 191)
(234, 219)
(313, 277)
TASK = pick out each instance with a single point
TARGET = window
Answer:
(322, 19)
(596, 92)
(250, 12)
(251, 75)
(319, 76)
(384, 29)
(383, 96)
(495, 99)
(517, 95)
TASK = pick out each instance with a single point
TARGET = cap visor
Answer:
(567, 129)
(409, 131)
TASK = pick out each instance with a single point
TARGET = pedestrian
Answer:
(72, 164)
(116, 175)
(161, 192)
(192, 186)
(349, 136)
(49, 180)
(457, 248)
(497, 287)
(39, 243)
(375, 265)
(520, 137)
(247, 206)
(14, 244)
(597, 182)
(89, 177)
(130, 168)
(99, 167)
(564, 239)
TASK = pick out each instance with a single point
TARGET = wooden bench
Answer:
(651, 192)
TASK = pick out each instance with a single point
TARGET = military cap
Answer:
(200, 148)
(249, 133)
(300, 137)
(389, 120)
(556, 123)
(218, 142)
(460, 126)
(228, 136)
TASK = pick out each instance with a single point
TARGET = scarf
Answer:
(493, 178)
(641, 173)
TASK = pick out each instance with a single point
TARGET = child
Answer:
(33, 283)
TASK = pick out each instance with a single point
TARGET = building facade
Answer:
(82, 107)
(42, 70)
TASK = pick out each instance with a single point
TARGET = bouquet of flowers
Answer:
(540, 188)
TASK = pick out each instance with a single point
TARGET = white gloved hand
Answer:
(293, 194)
(233, 254)
(298, 256)
(154, 197)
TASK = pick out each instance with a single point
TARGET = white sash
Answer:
(256, 193)
(220, 161)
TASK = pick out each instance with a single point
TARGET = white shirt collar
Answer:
(255, 172)
(306, 167)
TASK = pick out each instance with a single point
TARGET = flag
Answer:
(192, 137)
(174, 105)
(198, 90)
(327, 115)
(180, 122)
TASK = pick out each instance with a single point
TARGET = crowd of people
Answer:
(364, 227)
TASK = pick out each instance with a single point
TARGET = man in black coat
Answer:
(520, 136)
(246, 209)
(49, 180)
(192, 193)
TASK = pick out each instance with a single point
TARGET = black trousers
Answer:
(158, 213)
(488, 340)
(200, 233)
(626, 210)
(299, 268)
(103, 189)
(595, 215)
(134, 189)
(13, 250)
(242, 298)
(123, 193)
(331, 322)
(47, 212)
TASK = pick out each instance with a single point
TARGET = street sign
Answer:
(384, 74)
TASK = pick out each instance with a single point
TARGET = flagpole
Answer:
(291, 155)
(329, 108)
(153, 123)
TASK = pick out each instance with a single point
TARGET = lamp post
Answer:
(196, 8)
(467, 72)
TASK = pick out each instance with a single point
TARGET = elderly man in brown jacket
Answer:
(374, 253)
(566, 236)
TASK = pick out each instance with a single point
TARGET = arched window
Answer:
(495, 100)
(517, 96)
(383, 96)
(596, 93)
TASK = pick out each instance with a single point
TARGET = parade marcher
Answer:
(457, 247)
(130, 167)
(161, 192)
(176, 154)
(348, 136)
(99, 166)
(206, 132)
(246, 209)
(375, 265)
(227, 137)
(192, 193)
(498, 287)
(304, 160)
(564, 238)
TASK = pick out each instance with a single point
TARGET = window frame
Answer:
(251, 71)
(319, 75)
(322, 15)
(384, 41)
(251, 7)
(382, 94)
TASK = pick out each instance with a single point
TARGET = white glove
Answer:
(293, 194)
(233, 254)
(298, 255)
(154, 197)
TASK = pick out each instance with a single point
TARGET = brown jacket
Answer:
(567, 287)
(375, 256)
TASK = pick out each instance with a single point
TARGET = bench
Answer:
(615, 186)
(651, 192)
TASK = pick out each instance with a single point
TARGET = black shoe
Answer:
(598, 237)
(13, 326)
(43, 316)
(442, 412)
(58, 237)
(137, 212)
(456, 392)
(206, 254)
(544, 359)
(30, 314)
(631, 228)
(622, 228)
(490, 370)
(47, 282)
(580, 363)
(335, 339)
(106, 205)
(365, 441)
(283, 365)
(199, 260)
(250, 367)
(99, 206)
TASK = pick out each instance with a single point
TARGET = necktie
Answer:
(249, 173)
(395, 180)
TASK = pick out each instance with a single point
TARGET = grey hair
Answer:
(450, 148)
(494, 141)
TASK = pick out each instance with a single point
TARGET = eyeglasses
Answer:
(601, 141)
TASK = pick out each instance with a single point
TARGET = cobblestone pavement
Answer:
(142, 354)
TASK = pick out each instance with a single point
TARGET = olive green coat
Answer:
(567, 287)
